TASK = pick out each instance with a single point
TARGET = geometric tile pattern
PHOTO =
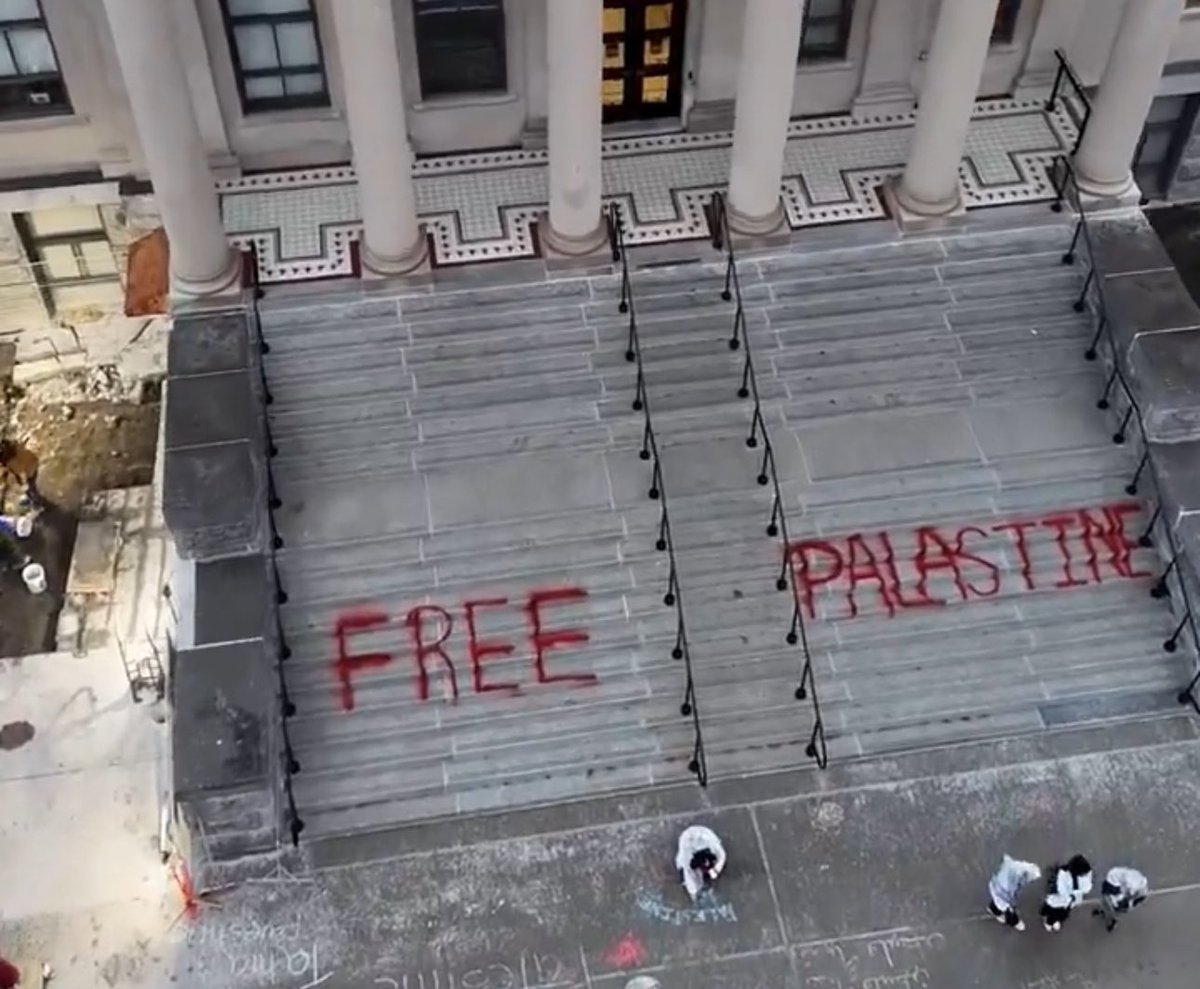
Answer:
(483, 207)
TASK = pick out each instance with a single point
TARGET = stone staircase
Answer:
(475, 601)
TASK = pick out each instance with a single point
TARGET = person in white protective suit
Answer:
(1004, 888)
(1068, 885)
(700, 858)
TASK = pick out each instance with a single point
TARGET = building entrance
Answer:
(643, 58)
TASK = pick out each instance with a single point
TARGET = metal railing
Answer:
(1066, 73)
(768, 473)
(665, 543)
(1081, 243)
(291, 765)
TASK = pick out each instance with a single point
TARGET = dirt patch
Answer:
(92, 431)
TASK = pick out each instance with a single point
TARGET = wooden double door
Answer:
(643, 58)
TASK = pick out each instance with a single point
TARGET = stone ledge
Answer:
(214, 500)
(214, 469)
(1155, 324)
(231, 600)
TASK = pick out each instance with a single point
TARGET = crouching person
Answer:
(700, 858)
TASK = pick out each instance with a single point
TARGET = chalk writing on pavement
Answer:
(898, 960)
(529, 970)
(706, 909)
(1073, 980)
(262, 952)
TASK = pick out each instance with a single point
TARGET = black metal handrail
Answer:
(768, 473)
(291, 765)
(1067, 73)
(698, 764)
(1093, 279)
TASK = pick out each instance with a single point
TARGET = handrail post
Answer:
(1058, 78)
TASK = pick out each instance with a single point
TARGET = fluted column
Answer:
(202, 261)
(575, 54)
(1127, 88)
(929, 186)
(393, 243)
(766, 79)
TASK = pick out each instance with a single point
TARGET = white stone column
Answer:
(1127, 89)
(575, 56)
(929, 186)
(766, 81)
(202, 261)
(393, 242)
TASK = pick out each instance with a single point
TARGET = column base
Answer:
(415, 261)
(226, 284)
(883, 101)
(769, 227)
(561, 249)
(915, 216)
(1094, 197)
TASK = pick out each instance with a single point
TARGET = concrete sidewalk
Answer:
(876, 885)
(83, 887)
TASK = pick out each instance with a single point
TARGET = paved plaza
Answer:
(870, 877)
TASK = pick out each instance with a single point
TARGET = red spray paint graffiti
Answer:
(429, 628)
(1092, 546)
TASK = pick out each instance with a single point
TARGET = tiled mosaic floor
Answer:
(482, 207)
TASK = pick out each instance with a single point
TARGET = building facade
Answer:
(268, 83)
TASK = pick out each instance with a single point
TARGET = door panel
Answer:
(643, 58)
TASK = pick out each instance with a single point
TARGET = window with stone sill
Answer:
(70, 255)
(277, 54)
(826, 30)
(31, 84)
(1004, 27)
(461, 47)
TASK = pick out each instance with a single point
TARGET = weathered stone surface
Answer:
(207, 342)
(231, 599)
(1127, 244)
(1165, 375)
(210, 408)
(1176, 469)
(1145, 301)
(214, 500)
(225, 712)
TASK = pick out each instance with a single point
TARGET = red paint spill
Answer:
(431, 643)
(1092, 545)
(629, 952)
(187, 889)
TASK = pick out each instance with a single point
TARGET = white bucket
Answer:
(34, 576)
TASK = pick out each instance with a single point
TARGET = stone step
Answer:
(974, 323)
(314, 340)
(319, 311)
(495, 301)
(473, 375)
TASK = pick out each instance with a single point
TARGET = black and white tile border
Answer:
(253, 210)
